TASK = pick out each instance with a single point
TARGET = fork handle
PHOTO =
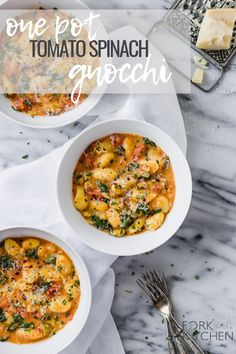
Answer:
(177, 339)
(170, 342)
(187, 338)
(171, 345)
(179, 345)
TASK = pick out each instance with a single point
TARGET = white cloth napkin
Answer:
(28, 198)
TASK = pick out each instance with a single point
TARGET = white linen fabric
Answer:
(28, 198)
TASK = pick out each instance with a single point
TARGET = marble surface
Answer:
(200, 260)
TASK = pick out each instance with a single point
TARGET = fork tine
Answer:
(153, 283)
(164, 283)
(146, 290)
(150, 285)
(161, 281)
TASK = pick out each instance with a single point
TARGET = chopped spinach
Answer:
(2, 315)
(50, 259)
(27, 102)
(44, 286)
(149, 142)
(33, 253)
(13, 327)
(27, 325)
(19, 322)
(100, 223)
(119, 150)
(144, 176)
(77, 283)
(18, 318)
(6, 262)
(126, 220)
(103, 187)
(153, 212)
(133, 166)
(142, 208)
(3, 278)
(167, 162)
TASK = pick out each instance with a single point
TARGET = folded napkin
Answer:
(28, 198)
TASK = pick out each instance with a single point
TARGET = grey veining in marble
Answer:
(200, 260)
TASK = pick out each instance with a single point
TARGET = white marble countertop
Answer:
(200, 260)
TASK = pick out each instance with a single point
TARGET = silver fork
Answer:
(160, 302)
(162, 285)
(155, 286)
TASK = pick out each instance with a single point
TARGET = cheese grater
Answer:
(185, 18)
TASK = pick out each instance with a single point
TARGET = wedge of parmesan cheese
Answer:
(217, 29)
(198, 76)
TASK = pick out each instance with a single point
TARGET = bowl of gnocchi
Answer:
(45, 292)
(124, 186)
(41, 97)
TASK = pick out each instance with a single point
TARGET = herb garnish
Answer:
(50, 259)
(100, 223)
(2, 315)
(155, 211)
(119, 150)
(27, 102)
(142, 208)
(3, 278)
(6, 262)
(149, 142)
(103, 187)
(19, 322)
(132, 166)
(167, 162)
(126, 220)
(33, 253)
(44, 286)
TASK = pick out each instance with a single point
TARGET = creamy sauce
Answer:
(43, 105)
(124, 184)
(39, 290)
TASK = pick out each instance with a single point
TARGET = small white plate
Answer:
(65, 336)
(129, 245)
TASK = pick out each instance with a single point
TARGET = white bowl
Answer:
(129, 245)
(65, 336)
(48, 122)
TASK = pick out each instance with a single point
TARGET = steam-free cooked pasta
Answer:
(124, 184)
(39, 289)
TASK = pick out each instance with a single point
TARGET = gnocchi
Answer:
(129, 183)
(11, 247)
(155, 221)
(81, 200)
(39, 289)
